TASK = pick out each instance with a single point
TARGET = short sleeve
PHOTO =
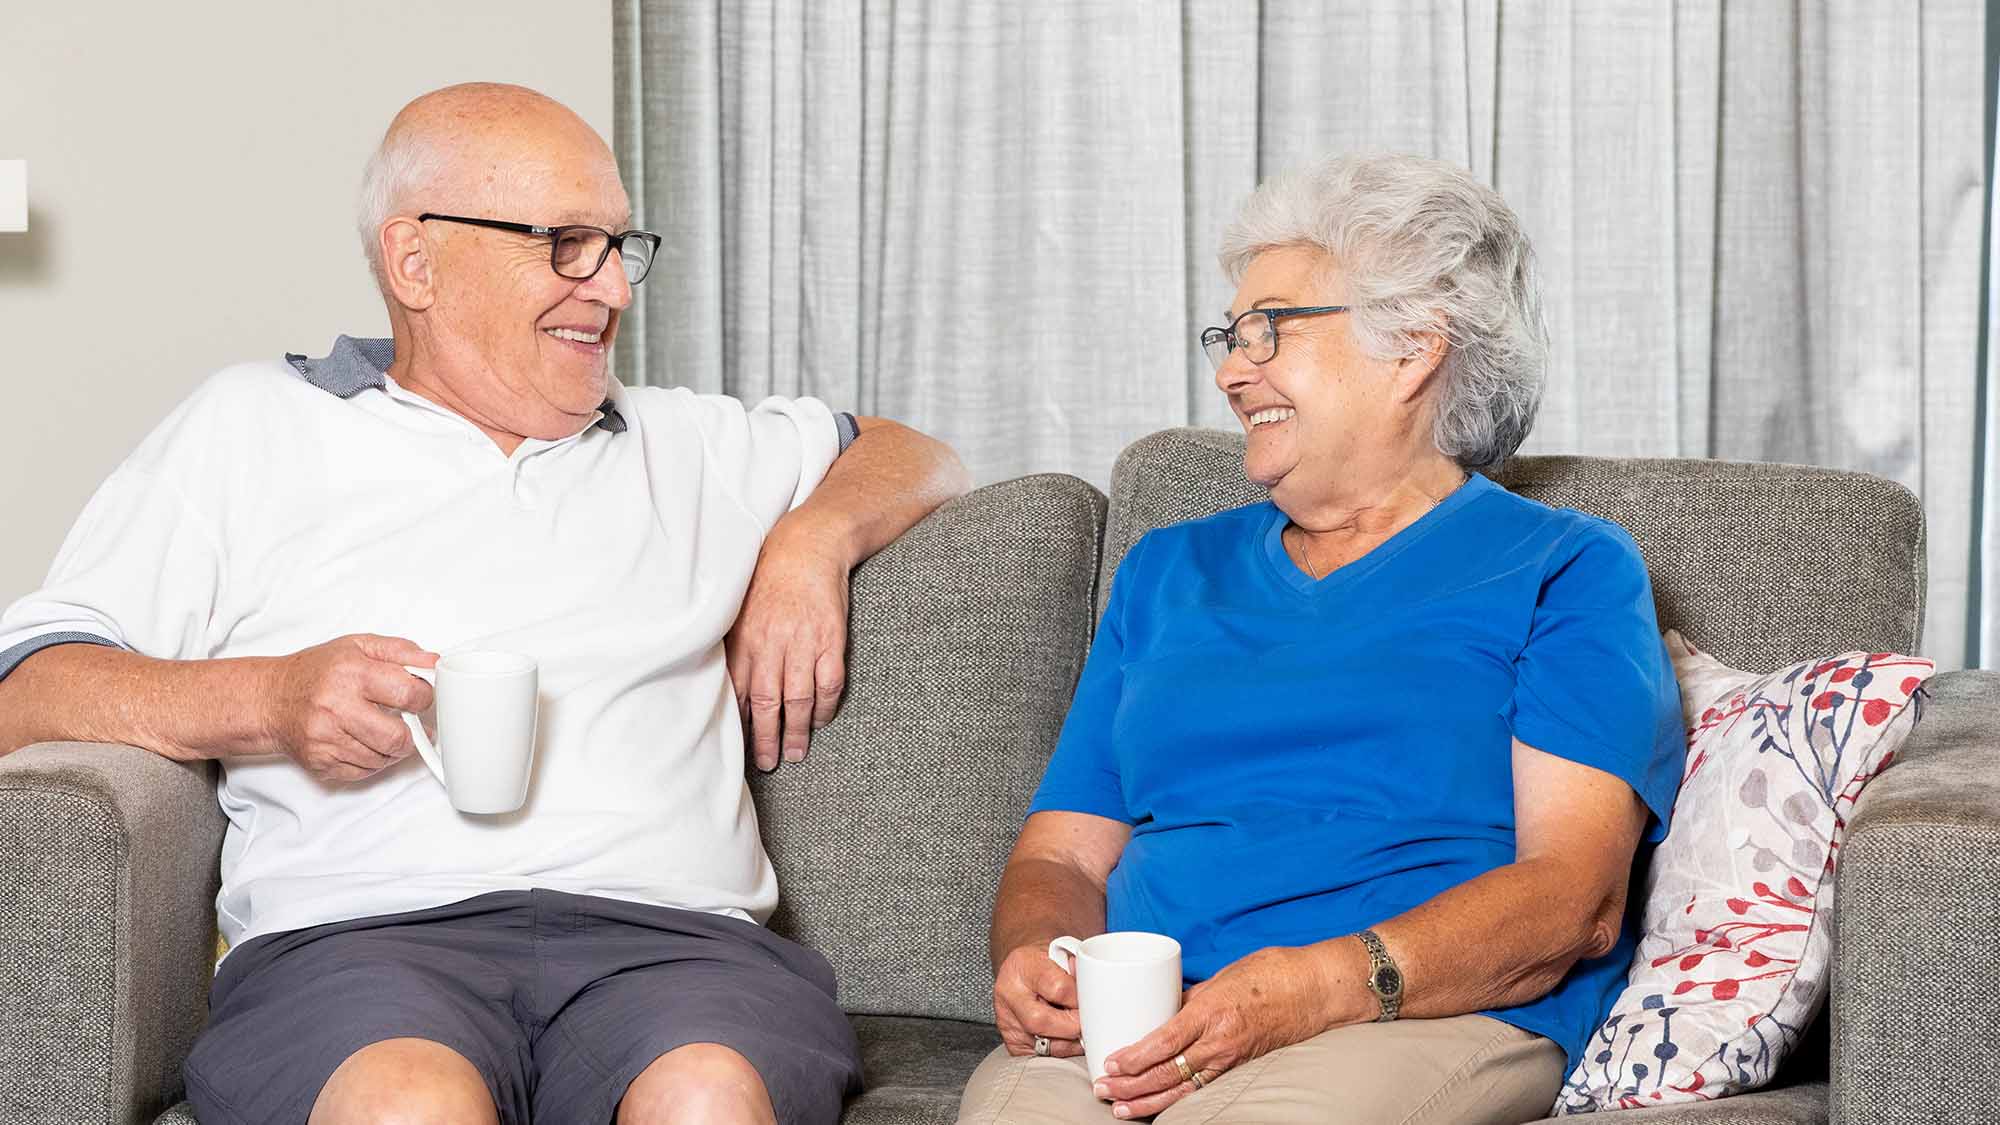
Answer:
(138, 570)
(778, 450)
(1082, 774)
(1593, 683)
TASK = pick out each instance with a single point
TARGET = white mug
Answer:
(485, 749)
(1127, 984)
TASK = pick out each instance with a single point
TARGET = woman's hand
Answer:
(1032, 996)
(1273, 998)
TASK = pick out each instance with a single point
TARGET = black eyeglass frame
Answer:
(1231, 337)
(554, 235)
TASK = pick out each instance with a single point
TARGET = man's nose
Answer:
(608, 285)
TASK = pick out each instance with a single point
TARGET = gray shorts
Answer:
(559, 1000)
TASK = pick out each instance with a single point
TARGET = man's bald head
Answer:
(479, 148)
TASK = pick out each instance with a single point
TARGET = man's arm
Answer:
(788, 648)
(323, 706)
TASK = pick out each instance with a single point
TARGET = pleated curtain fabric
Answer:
(1759, 224)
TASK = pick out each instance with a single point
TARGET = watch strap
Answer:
(1391, 1000)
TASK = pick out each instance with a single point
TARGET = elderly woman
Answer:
(1378, 752)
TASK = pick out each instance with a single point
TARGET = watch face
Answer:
(1388, 982)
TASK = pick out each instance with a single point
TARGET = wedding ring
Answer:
(1198, 1080)
(1042, 1046)
(1187, 1072)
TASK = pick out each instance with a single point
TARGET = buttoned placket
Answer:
(520, 489)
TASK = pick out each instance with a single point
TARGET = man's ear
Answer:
(406, 260)
(1415, 369)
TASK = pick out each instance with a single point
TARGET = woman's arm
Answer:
(1053, 885)
(1504, 938)
(1511, 935)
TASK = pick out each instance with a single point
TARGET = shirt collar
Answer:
(359, 364)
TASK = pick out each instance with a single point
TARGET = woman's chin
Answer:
(1261, 471)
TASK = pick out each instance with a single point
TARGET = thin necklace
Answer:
(1305, 552)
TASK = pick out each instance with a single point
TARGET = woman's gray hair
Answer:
(1424, 248)
(405, 165)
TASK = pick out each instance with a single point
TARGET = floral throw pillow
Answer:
(1734, 950)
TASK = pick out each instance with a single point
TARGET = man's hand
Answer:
(1032, 995)
(325, 706)
(788, 649)
(1273, 998)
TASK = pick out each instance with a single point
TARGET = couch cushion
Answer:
(916, 1068)
(966, 638)
(1764, 564)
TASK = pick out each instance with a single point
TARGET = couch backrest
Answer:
(1760, 564)
(966, 637)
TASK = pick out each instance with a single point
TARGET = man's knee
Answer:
(405, 1082)
(698, 1082)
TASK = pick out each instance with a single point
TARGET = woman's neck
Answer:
(1329, 532)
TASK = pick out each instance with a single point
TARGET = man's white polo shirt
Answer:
(266, 515)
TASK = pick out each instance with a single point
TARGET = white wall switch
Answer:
(13, 195)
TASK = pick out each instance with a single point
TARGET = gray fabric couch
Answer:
(967, 637)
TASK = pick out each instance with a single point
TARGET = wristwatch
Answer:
(1385, 980)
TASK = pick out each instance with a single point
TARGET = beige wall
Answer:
(191, 180)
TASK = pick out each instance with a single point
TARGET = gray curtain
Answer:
(1759, 223)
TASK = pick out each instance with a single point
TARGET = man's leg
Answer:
(377, 1020)
(398, 1080)
(651, 1010)
(698, 1082)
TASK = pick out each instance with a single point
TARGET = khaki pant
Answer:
(1462, 1070)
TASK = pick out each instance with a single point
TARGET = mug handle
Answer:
(1066, 945)
(425, 749)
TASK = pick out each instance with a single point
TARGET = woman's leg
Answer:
(1025, 1090)
(1465, 1070)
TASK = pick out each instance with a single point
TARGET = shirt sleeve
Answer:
(139, 570)
(778, 450)
(1082, 774)
(1593, 683)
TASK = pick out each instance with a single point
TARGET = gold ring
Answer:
(1187, 1072)
(1199, 1081)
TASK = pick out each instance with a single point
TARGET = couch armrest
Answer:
(1916, 971)
(108, 874)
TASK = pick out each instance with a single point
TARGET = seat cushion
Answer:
(916, 1068)
(1803, 1104)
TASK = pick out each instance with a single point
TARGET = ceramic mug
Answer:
(1127, 984)
(485, 748)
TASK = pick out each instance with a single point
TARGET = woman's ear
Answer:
(1419, 364)
(406, 262)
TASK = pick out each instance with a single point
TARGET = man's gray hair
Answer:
(406, 165)
(1424, 248)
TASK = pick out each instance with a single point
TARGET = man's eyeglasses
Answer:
(1255, 333)
(578, 252)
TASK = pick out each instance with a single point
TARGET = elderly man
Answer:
(250, 584)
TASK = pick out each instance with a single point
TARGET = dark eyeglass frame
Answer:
(612, 242)
(1233, 339)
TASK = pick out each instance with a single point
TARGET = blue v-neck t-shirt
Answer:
(1302, 759)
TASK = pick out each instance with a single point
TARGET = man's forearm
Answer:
(1041, 900)
(888, 479)
(180, 709)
